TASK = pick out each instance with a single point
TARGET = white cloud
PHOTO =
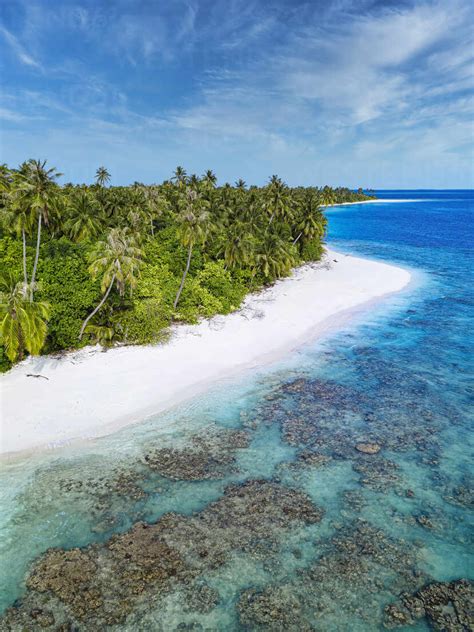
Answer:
(300, 90)
(11, 116)
(18, 49)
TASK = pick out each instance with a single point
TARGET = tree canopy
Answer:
(102, 263)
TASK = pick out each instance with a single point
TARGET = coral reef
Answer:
(447, 606)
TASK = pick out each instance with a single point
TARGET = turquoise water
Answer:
(380, 524)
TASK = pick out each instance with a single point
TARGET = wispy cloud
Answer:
(276, 85)
(19, 49)
(12, 116)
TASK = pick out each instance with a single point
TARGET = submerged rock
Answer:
(425, 521)
(368, 448)
(208, 457)
(273, 609)
(141, 557)
(314, 459)
(447, 606)
(342, 585)
(463, 496)
(377, 473)
(200, 598)
(69, 575)
(102, 584)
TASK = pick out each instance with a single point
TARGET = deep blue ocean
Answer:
(399, 376)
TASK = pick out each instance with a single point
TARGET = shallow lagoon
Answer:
(354, 531)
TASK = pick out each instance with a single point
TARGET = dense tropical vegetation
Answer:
(92, 263)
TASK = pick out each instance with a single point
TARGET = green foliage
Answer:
(99, 334)
(23, 321)
(197, 301)
(144, 323)
(67, 286)
(5, 363)
(10, 255)
(221, 284)
(312, 250)
(151, 304)
(115, 261)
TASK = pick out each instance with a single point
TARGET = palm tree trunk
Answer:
(21, 344)
(104, 298)
(297, 239)
(25, 274)
(38, 242)
(188, 263)
(270, 222)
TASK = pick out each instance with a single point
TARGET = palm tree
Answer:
(274, 258)
(102, 176)
(240, 184)
(237, 246)
(37, 189)
(84, 220)
(312, 222)
(194, 223)
(23, 323)
(5, 177)
(156, 204)
(179, 175)
(18, 222)
(193, 181)
(110, 201)
(276, 200)
(15, 218)
(328, 196)
(210, 178)
(118, 260)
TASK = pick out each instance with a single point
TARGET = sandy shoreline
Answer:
(89, 393)
(375, 201)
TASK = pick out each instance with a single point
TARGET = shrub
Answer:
(219, 283)
(312, 250)
(66, 285)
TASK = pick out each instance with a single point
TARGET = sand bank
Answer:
(376, 201)
(90, 393)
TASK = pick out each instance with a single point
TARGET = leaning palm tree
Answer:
(102, 176)
(36, 189)
(118, 261)
(23, 323)
(194, 223)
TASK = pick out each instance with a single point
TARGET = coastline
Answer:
(87, 391)
(374, 201)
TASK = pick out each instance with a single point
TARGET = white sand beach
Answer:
(376, 201)
(90, 393)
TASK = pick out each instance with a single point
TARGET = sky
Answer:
(344, 92)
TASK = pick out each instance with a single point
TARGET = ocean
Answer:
(308, 495)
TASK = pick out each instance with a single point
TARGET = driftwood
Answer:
(37, 375)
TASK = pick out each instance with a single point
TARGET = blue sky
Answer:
(349, 92)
